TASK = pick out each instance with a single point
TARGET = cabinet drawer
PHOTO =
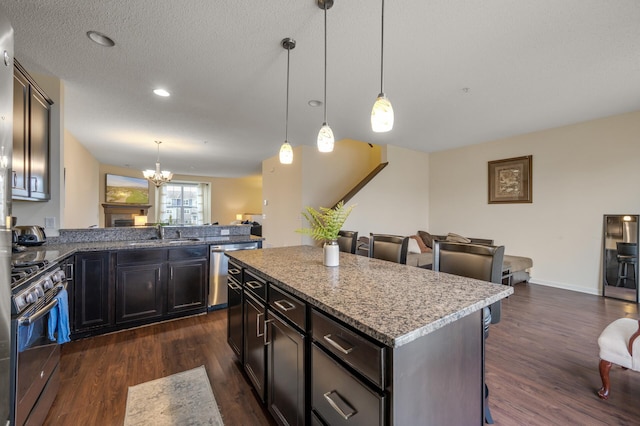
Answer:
(188, 253)
(235, 272)
(340, 398)
(125, 257)
(288, 306)
(255, 285)
(358, 352)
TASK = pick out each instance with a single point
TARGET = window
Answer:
(184, 203)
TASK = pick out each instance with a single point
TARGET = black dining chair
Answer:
(388, 247)
(348, 241)
(627, 254)
(482, 262)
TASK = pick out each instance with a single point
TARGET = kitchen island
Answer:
(425, 327)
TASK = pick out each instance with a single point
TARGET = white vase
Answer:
(331, 251)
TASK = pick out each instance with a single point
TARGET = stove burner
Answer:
(23, 269)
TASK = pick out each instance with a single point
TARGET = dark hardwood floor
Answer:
(541, 363)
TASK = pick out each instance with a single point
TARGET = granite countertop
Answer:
(395, 304)
(53, 252)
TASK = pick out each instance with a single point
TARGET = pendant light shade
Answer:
(325, 138)
(382, 112)
(325, 135)
(157, 177)
(286, 151)
(382, 115)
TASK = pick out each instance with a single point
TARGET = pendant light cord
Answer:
(286, 120)
(382, 52)
(325, 62)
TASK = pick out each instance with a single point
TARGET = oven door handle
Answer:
(39, 314)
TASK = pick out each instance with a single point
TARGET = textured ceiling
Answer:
(528, 65)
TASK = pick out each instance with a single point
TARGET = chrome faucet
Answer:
(179, 233)
(160, 232)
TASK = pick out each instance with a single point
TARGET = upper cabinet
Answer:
(31, 134)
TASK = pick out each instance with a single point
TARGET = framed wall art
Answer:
(126, 189)
(510, 180)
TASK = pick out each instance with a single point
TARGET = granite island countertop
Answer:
(394, 304)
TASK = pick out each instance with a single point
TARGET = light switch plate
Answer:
(49, 222)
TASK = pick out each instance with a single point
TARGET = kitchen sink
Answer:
(160, 242)
(182, 240)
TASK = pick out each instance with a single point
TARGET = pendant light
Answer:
(325, 135)
(286, 151)
(382, 112)
(157, 177)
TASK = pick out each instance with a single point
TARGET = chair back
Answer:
(348, 240)
(389, 247)
(477, 261)
(627, 249)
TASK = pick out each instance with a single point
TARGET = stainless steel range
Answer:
(38, 293)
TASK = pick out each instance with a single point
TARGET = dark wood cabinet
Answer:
(254, 343)
(285, 372)
(188, 270)
(234, 309)
(93, 292)
(120, 289)
(186, 287)
(140, 292)
(31, 135)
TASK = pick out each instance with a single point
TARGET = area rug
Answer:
(180, 399)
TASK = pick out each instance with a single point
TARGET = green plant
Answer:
(325, 223)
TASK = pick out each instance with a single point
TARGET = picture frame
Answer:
(510, 180)
(126, 189)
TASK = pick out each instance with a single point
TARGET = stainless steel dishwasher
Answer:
(218, 267)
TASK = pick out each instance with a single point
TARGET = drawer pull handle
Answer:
(234, 286)
(337, 403)
(281, 304)
(258, 325)
(337, 345)
(253, 284)
(234, 271)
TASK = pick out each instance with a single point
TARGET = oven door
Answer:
(35, 379)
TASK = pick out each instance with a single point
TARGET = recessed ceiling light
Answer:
(161, 92)
(314, 103)
(100, 39)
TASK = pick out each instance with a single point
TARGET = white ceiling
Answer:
(528, 65)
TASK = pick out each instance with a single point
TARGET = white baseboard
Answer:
(564, 286)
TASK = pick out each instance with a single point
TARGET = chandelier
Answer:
(156, 176)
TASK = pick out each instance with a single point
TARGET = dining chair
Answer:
(482, 262)
(348, 240)
(388, 247)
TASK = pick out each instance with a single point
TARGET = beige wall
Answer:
(580, 173)
(35, 212)
(314, 179)
(396, 201)
(81, 204)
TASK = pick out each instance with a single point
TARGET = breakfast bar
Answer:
(381, 343)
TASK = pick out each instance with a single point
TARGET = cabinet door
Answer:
(187, 286)
(39, 147)
(139, 292)
(20, 157)
(234, 317)
(254, 349)
(285, 372)
(93, 291)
